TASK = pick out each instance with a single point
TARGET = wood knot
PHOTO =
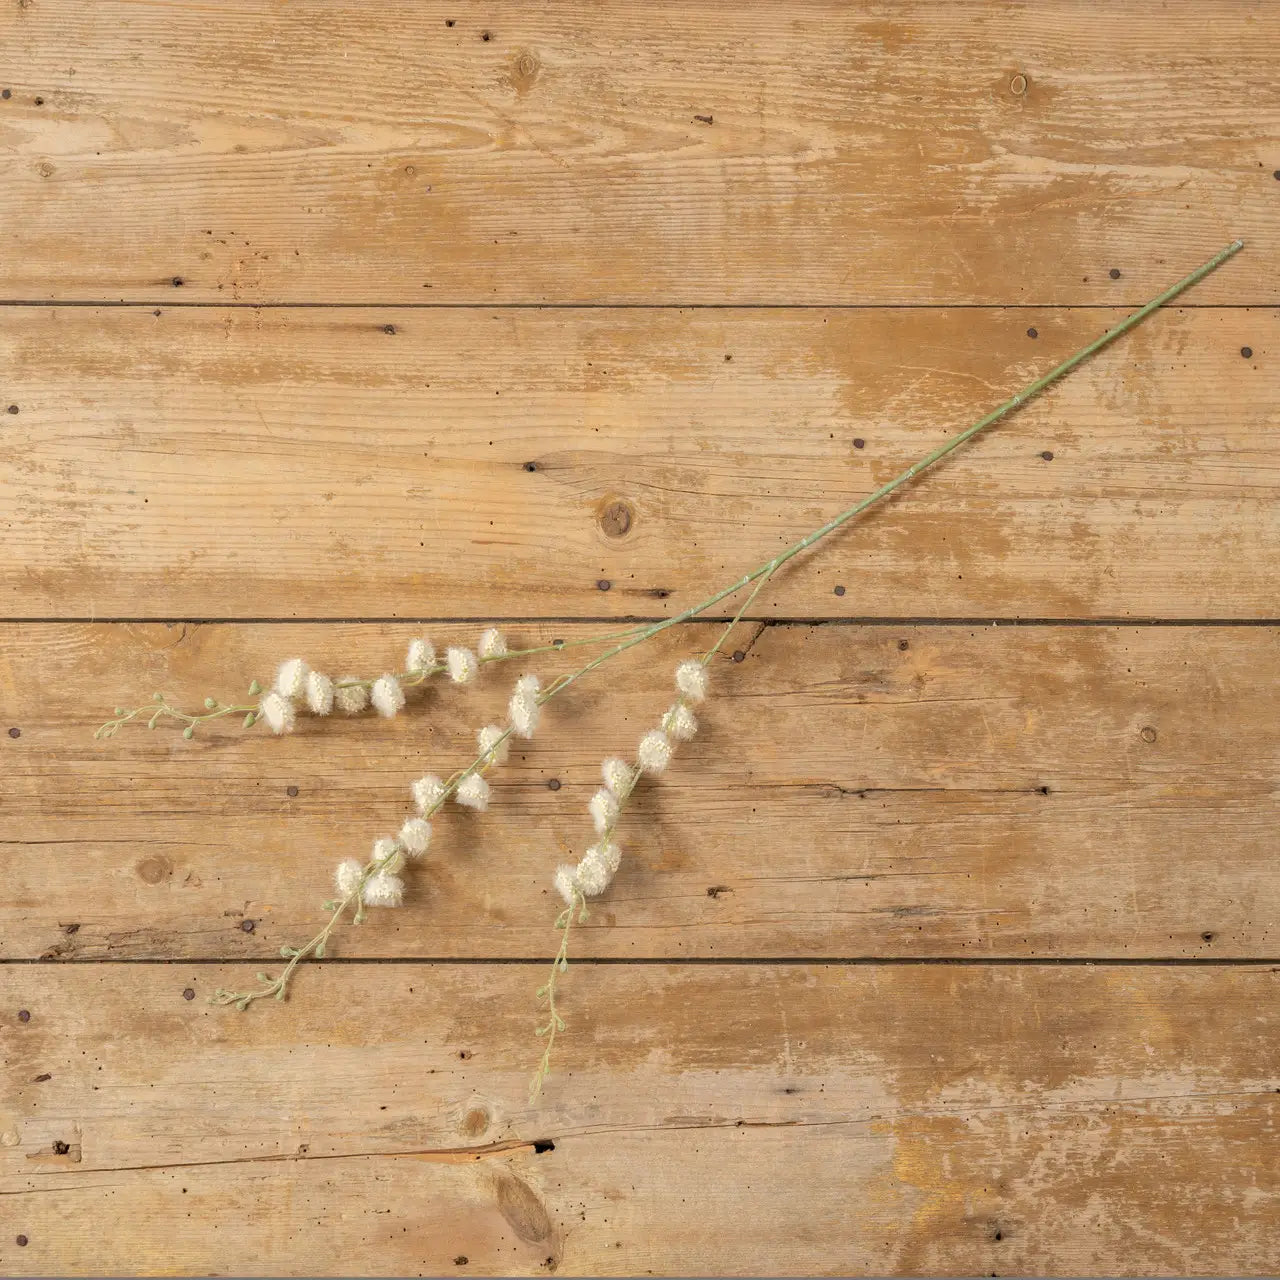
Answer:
(1018, 85)
(154, 869)
(615, 519)
(1148, 734)
(524, 71)
(519, 1204)
(475, 1122)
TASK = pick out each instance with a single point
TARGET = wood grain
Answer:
(637, 152)
(308, 463)
(855, 791)
(835, 1120)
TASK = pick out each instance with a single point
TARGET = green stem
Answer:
(766, 571)
(1028, 392)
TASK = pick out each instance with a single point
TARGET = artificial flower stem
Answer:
(1028, 392)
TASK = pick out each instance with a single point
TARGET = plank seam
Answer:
(815, 620)
(897, 962)
(171, 305)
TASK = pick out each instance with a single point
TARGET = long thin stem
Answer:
(1031, 390)
(766, 571)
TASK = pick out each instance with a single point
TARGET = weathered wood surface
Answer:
(829, 1119)
(857, 791)
(308, 463)
(637, 152)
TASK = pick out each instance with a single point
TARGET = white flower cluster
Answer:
(596, 869)
(297, 685)
(378, 882)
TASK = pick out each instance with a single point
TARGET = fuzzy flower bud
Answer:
(350, 696)
(493, 744)
(319, 693)
(278, 712)
(604, 809)
(691, 679)
(421, 655)
(473, 791)
(617, 777)
(388, 855)
(347, 876)
(680, 723)
(609, 853)
(655, 751)
(492, 643)
(382, 889)
(415, 836)
(462, 665)
(565, 883)
(291, 679)
(524, 708)
(592, 875)
(386, 695)
(428, 791)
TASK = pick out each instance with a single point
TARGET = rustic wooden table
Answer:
(950, 946)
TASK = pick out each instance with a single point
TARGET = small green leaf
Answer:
(280, 993)
(254, 688)
(157, 697)
(243, 1003)
(319, 951)
(151, 724)
(250, 720)
(210, 703)
(262, 977)
(189, 732)
(287, 952)
(119, 711)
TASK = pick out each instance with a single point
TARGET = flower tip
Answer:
(655, 751)
(473, 791)
(382, 889)
(278, 711)
(291, 678)
(564, 882)
(492, 643)
(462, 665)
(691, 679)
(387, 695)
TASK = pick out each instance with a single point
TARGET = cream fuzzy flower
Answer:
(291, 679)
(492, 643)
(473, 791)
(610, 853)
(618, 777)
(565, 884)
(350, 696)
(278, 712)
(462, 665)
(493, 744)
(428, 791)
(421, 655)
(347, 876)
(655, 751)
(388, 855)
(603, 809)
(382, 889)
(691, 679)
(387, 695)
(592, 875)
(680, 723)
(319, 693)
(524, 708)
(415, 836)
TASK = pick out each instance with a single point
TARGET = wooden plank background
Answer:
(949, 946)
